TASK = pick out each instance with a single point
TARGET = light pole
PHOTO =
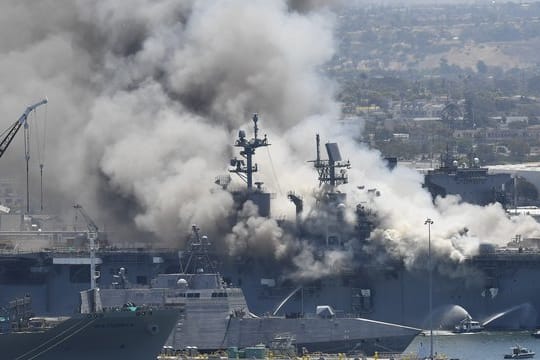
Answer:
(429, 222)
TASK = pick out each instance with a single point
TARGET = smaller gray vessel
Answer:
(216, 316)
(473, 183)
(123, 333)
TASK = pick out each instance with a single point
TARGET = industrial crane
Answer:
(92, 236)
(92, 227)
(13, 129)
(8, 135)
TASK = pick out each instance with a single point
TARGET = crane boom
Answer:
(92, 227)
(92, 236)
(14, 128)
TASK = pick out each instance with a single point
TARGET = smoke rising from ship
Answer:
(146, 97)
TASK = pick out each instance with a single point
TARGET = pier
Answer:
(314, 356)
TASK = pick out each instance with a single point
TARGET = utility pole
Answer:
(429, 222)
(92, 236)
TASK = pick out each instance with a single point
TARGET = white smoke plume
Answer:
(256, 235)
(146, 98)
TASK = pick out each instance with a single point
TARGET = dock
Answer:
(313, 356)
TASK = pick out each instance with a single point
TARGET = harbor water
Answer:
(474, 346)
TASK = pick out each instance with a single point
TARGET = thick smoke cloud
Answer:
(146, 98)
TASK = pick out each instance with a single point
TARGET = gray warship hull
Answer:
(499, 284)
(209, 323)
(106, 336)
(216, 316)
(323, 335)
(502, 289)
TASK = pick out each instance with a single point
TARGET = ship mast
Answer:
(246, 169)
(327, 168)
(198, 260)
(332, 172)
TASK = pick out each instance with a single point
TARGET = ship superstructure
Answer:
(391, 292)
(245, 168)
(332, 172)
(216, 315)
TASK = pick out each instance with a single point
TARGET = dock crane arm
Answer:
(13, 129)
(92, 227)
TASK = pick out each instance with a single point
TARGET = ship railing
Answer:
(532, 254)
(398, 356)
(130, 307)
(15, 251)
(338, 314)
(139, 249)
(81, 251)
(381, 355)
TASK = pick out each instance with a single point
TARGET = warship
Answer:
(216, 316)
(499, 284)
(496, 285)
(95, 333)
(470, 181)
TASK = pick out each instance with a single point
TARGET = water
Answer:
(478, 346)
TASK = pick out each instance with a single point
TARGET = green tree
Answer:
(534, 120)
(526, 190)
(382, 134)
(517, 125)
(481, 67)
(519, 148)
(533, 84)
(485, 153)
(464, 146)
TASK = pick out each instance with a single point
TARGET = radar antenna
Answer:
(327, 168)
